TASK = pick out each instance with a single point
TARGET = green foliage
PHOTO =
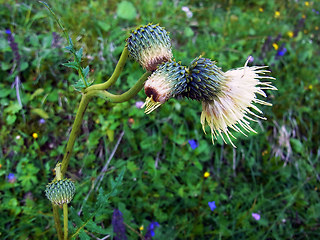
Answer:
(274, 173)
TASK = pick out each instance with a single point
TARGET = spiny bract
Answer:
(150, 45)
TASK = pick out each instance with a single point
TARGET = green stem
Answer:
(125, 96)
(58, 171)
(65, 220)
(57, 221)
(74, 132)
(66, 34)
(114, 76)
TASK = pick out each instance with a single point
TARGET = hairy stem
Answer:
(133, 91)
(74, 132)
(114, 76)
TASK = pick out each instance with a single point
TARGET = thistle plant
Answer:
(228, 98)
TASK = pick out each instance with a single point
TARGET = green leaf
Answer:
(70, 41)
(11, 119)
(104, 25)
(296, 145)
(126, 10)
(5, 92)
(5, 66)
(38, 92)
(40, 112)
(86, 71)
(188, 32)
(71, 65)
(79, 54)
(13, 108)
(79, 85)
(70, 48)
(93, 227)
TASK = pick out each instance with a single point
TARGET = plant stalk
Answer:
(74, 132)
(65, 220)
(120, 65)
(57, 221)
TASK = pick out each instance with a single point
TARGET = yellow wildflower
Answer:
(316, 28)
(277, 14)
(206, 175)
(275, 46)
(35, 135)
(303, 16)
(307, 4)
(310, 87)
(265, 152)
(261, 9)
(141, 228)
(290, 34)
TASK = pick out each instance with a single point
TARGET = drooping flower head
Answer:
(231, 107)
(204, 80)
(60, 191)
(169, 80)
(150, 45)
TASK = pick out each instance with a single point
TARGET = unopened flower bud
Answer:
(150, 45)
(168, 81)
(60, 191)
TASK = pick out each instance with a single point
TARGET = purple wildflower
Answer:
(193, 144)
(282, 51)
(250, 59)
(315, 11)
(11, 178)
(14, 47)
(150, 233)
(119, 228)
(256, 216)
(139, 104)
(42, 121)
(55, 40)
(212, 205)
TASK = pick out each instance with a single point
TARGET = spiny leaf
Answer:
(86, 71)
(71, 65)
(79, 54)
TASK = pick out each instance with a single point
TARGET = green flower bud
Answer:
(61, 191)
(150, 45)
(204, 80)
(169, 80)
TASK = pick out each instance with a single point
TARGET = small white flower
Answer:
(187, 11)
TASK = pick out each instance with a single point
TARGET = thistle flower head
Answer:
(60, 191)
(231, 107)
(169, 80)
(150, 45)
(204, 80)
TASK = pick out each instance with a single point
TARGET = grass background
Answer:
(274, 173)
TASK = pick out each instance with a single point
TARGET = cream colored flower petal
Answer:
(230, 109)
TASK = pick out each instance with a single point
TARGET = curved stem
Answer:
(125, 96)
(74, 132)
(115, 75)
